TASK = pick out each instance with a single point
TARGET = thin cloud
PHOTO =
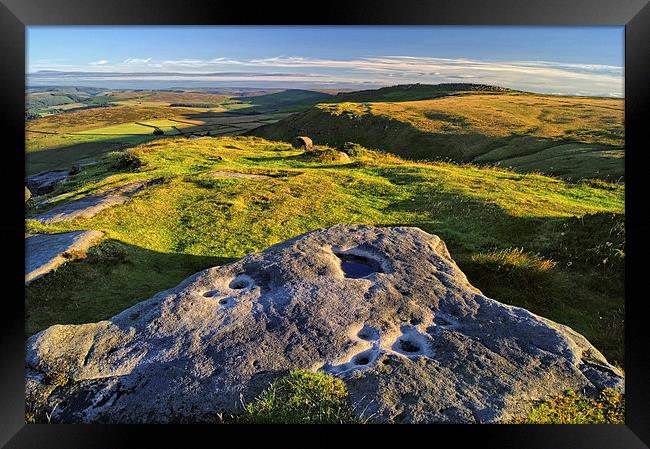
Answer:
(136, 61)
(534, 76)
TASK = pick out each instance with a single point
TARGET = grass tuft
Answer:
(516, 260)
(513, 275)
(575, 408)
(302, 397)
(124, 160)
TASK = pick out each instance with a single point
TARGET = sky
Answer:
(554, 60)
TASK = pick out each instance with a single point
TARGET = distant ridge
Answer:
(414, 92)
(287, 100)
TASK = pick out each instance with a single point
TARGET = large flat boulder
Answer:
(46, 252)
(386, 309)
(45, 182)
(90, 205)
(232, 174)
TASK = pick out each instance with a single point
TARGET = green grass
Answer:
(194, 220)
(302, 397)
(68, 151)
(144, 127)
(575, 408)
(60, 141)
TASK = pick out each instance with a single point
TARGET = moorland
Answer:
(526, 190)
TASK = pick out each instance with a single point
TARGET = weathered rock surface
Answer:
(45, 252)
(302, 143)
(386, 309)
(43, 183)
(91, 205)
(232, 174)
(342, 157)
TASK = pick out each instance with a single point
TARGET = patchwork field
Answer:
(62, 140)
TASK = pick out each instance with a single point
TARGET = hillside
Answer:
(568, 137)
(49, 100)
(213, 200)
(413, 92)
(286, 101)
(80, 133)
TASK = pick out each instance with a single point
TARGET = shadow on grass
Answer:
(65, 157)
(113, 277)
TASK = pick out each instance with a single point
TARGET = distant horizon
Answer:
(581, 61)
(235, 87)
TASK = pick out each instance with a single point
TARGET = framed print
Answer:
(386, 213)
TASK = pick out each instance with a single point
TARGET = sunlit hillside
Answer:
(569, 137)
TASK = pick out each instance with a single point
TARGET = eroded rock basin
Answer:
(356, 267)
(411, 337)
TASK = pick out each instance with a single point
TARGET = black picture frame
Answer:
(15, 15)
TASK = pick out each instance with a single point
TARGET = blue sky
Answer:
(567, 60)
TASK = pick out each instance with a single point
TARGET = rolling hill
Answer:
(289, 100)
(567, 137)
(413, 92)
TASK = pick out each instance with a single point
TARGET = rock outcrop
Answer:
(45, 252)
(232, 174)
(386, 309)
(91, 205)
(302, 143)
(45, 182)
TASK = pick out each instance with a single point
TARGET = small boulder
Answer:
(327, 155)
(43, 183)
(342, 157)
(302, 143)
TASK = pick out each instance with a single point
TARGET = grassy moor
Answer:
(347, 237)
